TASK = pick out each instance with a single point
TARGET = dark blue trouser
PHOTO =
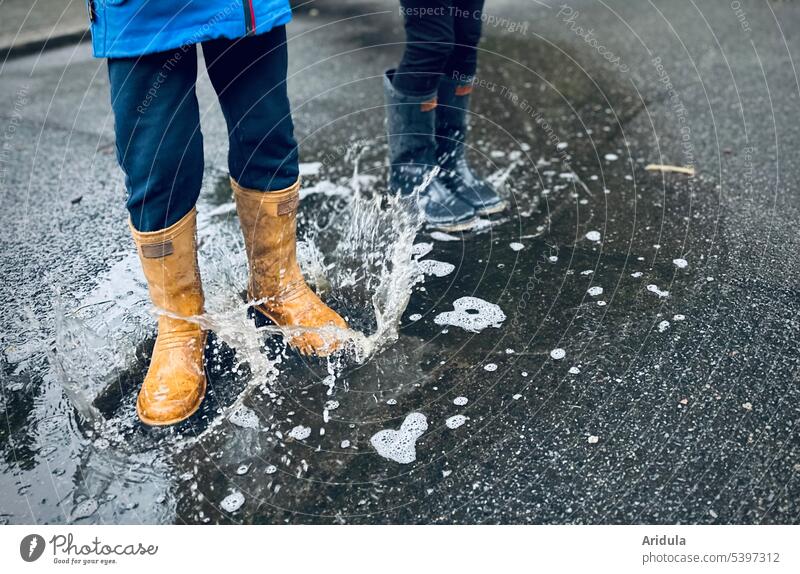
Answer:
(441, 38)
(157, 123)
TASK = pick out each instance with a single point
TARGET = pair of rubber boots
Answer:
(175, 383)
(429, 131)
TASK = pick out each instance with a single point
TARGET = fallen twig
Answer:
(670, 169)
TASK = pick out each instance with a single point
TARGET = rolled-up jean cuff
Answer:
(416, 84)
(399, 95)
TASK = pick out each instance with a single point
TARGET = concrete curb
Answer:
(33, 44)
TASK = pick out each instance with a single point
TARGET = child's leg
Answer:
(453, 111)
(160, 149)
(158, 138)
(249, 76)
(463, 61)
(429, 43)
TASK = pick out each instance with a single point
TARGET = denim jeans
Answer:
(441, 38)
(157, 123)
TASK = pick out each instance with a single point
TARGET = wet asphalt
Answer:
(674, 403)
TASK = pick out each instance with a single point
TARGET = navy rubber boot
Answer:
(412, 152)
(451, 131)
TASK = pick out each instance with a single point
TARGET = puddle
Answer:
(433, 316)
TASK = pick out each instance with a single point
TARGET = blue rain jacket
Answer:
(126, 28)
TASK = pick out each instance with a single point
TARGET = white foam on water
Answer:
(558, 354)
(460, 401)
(587, 272)
(680, 263)
(517, 397)
(472, 314)
(244, 417)
(330, 380)
(420, 250)
(455, 421)
(400, 445)
(593, 236)
(300, 432)
(574, 371)
(232, 502)
(442, 236)
(593, 439)
(345, 444)
(611, 157)
(679, 317)
(636, 274)
(436, 268)
(595, 291)
(516, 246)
(491, 367)
(663, 326)
(654, 289)
(553, 258)
(414, 317)
(271, 469)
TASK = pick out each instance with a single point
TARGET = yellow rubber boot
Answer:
(175, 383)
(269, 224)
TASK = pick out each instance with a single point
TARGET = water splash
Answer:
(355, 247)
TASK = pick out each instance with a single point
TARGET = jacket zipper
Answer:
(249, 17)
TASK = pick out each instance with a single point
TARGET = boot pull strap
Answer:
(271, 203)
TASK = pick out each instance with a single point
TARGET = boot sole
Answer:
(460, 226)
(493, 209)
(160, 423)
